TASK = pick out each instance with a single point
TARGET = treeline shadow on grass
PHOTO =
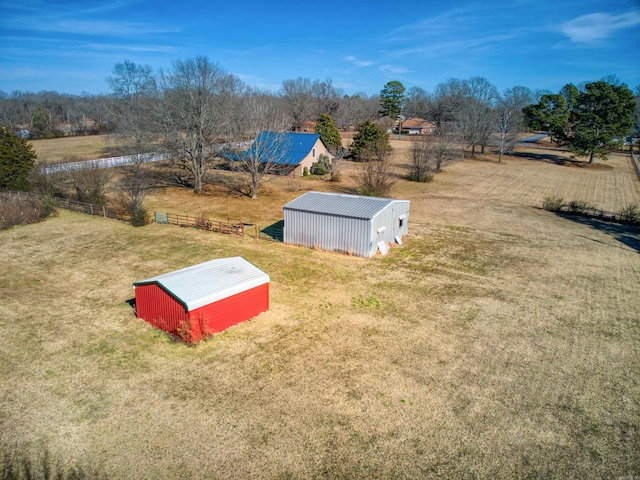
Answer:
(545, 157)
(628, 235)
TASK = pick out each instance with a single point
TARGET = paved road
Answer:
(534, 138)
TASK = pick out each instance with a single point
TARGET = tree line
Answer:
(196, 111)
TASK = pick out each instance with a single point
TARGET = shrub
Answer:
(423, 178)
(48, 206)
(631, 213)
(318, 169)
(139, 217)
(305, 172)
(336, 176)
(553, 204)
(17, 209)
(576, 206)
(322, 166)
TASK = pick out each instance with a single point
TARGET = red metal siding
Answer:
(160, 309)
(156, 306)
(229, 311)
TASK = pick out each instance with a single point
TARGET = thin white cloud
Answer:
(393, 69)
(90, 27)
(452, 46)
(145, 48)
(598, 26)
(358, 63)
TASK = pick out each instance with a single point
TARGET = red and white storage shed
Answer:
(197, 301)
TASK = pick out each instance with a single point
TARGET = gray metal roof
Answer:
(343, 205)
(210, 281)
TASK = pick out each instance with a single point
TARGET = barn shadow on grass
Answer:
(132, 303)
(274, 232)
(172, 338)
(628, 235)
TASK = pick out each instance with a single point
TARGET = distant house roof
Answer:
(309, 127)
(342, 205)
(417, 123)
(208, 282)
(283, 148)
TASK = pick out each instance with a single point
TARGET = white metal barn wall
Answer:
(344, 223)
(389, 218)
(328, 232)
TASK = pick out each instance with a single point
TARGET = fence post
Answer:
(256, 225)
(104, 212)
(91, 208)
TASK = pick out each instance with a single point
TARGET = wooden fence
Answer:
(204, 223)
(272, 233)
(96, 210)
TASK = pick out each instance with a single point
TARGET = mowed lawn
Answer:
(500, 341)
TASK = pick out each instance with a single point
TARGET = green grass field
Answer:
(500, 341)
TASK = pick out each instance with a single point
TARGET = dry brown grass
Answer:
(501, 341)
(73, 149)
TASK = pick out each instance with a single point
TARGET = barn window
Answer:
(401, 220)
(313, 154)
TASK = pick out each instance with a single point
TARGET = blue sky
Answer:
(71, 46)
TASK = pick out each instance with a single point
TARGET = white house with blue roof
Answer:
(290, 152)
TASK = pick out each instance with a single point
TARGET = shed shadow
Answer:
(132, 303)
(274, 232)
(628, 235)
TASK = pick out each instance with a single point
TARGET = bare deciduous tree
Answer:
(298, 95)
(356, 109)
(475, 123)
(335, 165)
(134, 186)
(255, 112)
(476, 117)
(418, 103)
(507, 126)
(376, 176)
(91, 185)
(262, 158)
(134, 88)
(259, 116)
(429, 153)
(447, 100)
(327, 98)
(195, 112)
(509, 118)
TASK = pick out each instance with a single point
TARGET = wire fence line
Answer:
(110, 162)
(123, 160)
